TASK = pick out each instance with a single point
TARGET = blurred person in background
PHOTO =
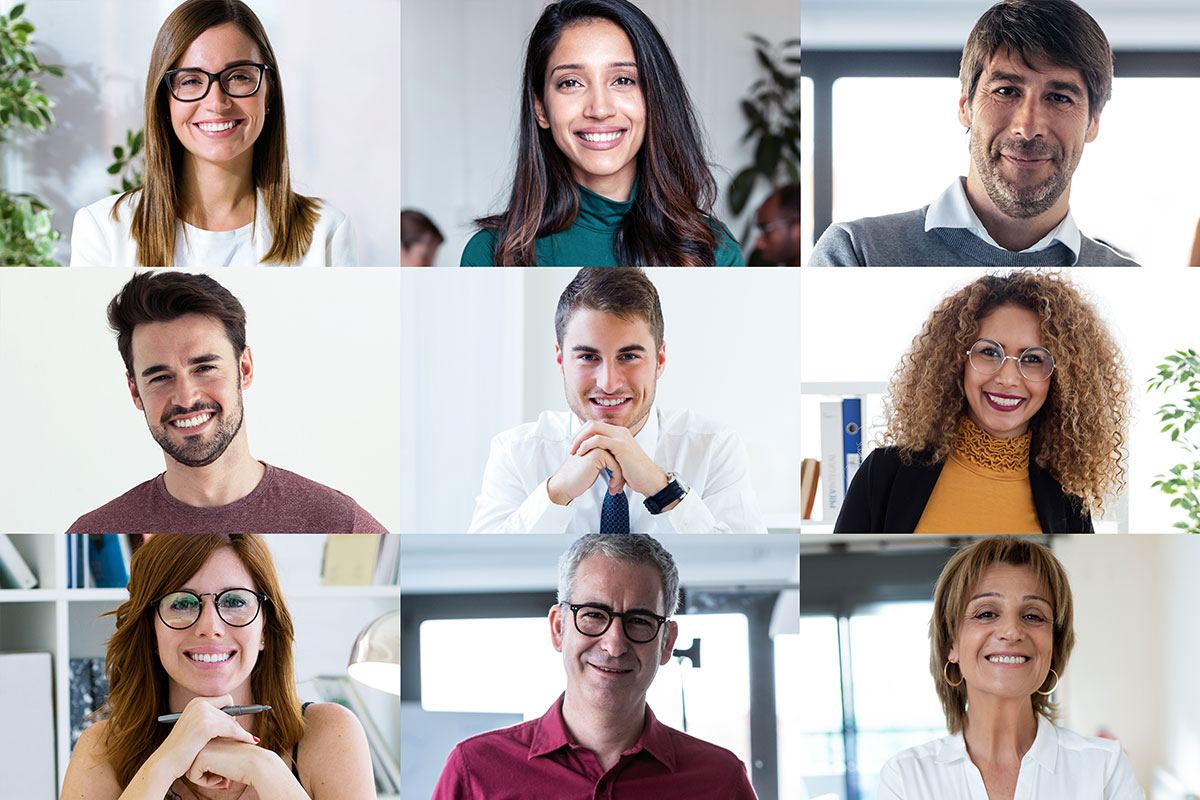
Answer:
(778, 221)
(419, 239)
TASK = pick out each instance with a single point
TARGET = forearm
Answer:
(151, 782)
(274, 781)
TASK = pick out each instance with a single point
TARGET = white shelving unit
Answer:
(67, 623)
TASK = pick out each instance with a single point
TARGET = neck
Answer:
(616, 187)
(606, 732)
(228, 479)
(1013, 234)
(999, 730)
(217, 196)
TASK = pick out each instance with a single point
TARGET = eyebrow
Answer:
(204, 359)
(1062, 87)
(629, 348)
(1027, 597)
(228, 64)
(609, 609)
(613, 65)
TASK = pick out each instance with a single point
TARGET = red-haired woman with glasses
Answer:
(205, 628)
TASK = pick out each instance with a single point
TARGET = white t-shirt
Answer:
(99, 241)
(1061, 765)
(708, 458)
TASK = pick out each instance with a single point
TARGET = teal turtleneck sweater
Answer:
(589, 241)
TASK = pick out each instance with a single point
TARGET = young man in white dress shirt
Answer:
(615, 463)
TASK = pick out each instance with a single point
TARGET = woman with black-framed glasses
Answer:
(217, 189)
(205, 628)
(1008, 415)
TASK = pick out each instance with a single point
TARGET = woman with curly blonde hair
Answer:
(1007, 415)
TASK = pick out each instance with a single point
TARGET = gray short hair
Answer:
(631, 548)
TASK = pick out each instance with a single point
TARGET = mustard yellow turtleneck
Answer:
(983, 488)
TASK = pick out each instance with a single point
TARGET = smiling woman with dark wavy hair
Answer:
(610, 165)
(1007, 415)
(175, 651)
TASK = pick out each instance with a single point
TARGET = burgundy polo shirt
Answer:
(537, 759)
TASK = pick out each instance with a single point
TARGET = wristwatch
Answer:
(670, 493)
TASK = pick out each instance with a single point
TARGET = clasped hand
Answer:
(599, 446)
(209, 747)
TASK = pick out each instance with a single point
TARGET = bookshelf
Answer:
(67, 624)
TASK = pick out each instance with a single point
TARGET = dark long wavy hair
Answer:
(666, 225)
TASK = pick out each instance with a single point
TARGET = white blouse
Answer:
(99, 241)
(1061, 765)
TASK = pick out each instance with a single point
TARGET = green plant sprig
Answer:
(127, 163)
(1181, 370)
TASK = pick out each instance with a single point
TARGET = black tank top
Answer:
(296, 747)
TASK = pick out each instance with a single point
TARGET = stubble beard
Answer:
(195, 452)
(1013, 200)
(581, 409)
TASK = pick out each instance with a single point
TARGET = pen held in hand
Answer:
(233, 711)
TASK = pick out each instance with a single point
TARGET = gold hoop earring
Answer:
(945, 674)
(1052, 688)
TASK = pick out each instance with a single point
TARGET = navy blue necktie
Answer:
(614, 516)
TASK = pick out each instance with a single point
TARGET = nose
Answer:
(210, 621)
(216, 97)
(609, 377)
(1028, 120)
(1009, 373)
(185, 393)
(613, 640)
(599, 104)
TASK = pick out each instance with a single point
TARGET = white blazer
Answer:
(98, 241)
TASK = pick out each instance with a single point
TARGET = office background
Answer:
(478, 359)
(1129, 675)
(338, 65)
(881, 133)
(321, 404)
(461, 64)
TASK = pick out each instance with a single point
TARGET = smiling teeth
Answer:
(194, 422)
(601, 137)
(216, 127)
(1004, 401)
(1007, 659)
(209, 658)
(617, 402)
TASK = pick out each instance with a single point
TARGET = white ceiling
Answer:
(434, 563)
(894, 24)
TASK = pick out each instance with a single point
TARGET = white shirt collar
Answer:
(1044, 750)
(952, 210)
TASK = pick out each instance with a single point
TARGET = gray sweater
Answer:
(900, 240)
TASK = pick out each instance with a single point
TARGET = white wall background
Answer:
(460, 90)
(322, 404)
(341, 133)
(875, 313)
(488, 365)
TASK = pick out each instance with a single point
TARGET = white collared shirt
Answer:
(707, 458)
(1061, 765)
(97, 240)
(952, 210)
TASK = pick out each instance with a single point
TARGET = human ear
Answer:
(964, 110)
(246, 367)
(669, 643)
(1093, 128)
(539, 111)
(662, 360)
(133, 392)
(556, 626)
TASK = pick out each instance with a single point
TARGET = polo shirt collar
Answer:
(952, 210)
(1043, 752)
(550, 735)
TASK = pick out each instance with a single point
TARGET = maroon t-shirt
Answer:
(283, 502)
(538, 759)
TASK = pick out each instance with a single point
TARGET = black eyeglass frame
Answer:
(611, 614)
(1004, 356)
(263, 69)
(216, 596)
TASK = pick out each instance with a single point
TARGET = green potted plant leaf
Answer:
(1180, 373)
(27, 235)
(129, 161)
(772, 112)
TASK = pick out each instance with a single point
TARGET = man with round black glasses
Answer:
(612, 624)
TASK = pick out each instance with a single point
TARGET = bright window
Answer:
(787, 707)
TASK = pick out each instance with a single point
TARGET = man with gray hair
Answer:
(612, 624)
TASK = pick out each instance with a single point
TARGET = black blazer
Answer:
(886, 496)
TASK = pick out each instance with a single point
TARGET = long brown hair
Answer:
(156, 210)
(137, 682)
(668, 223)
